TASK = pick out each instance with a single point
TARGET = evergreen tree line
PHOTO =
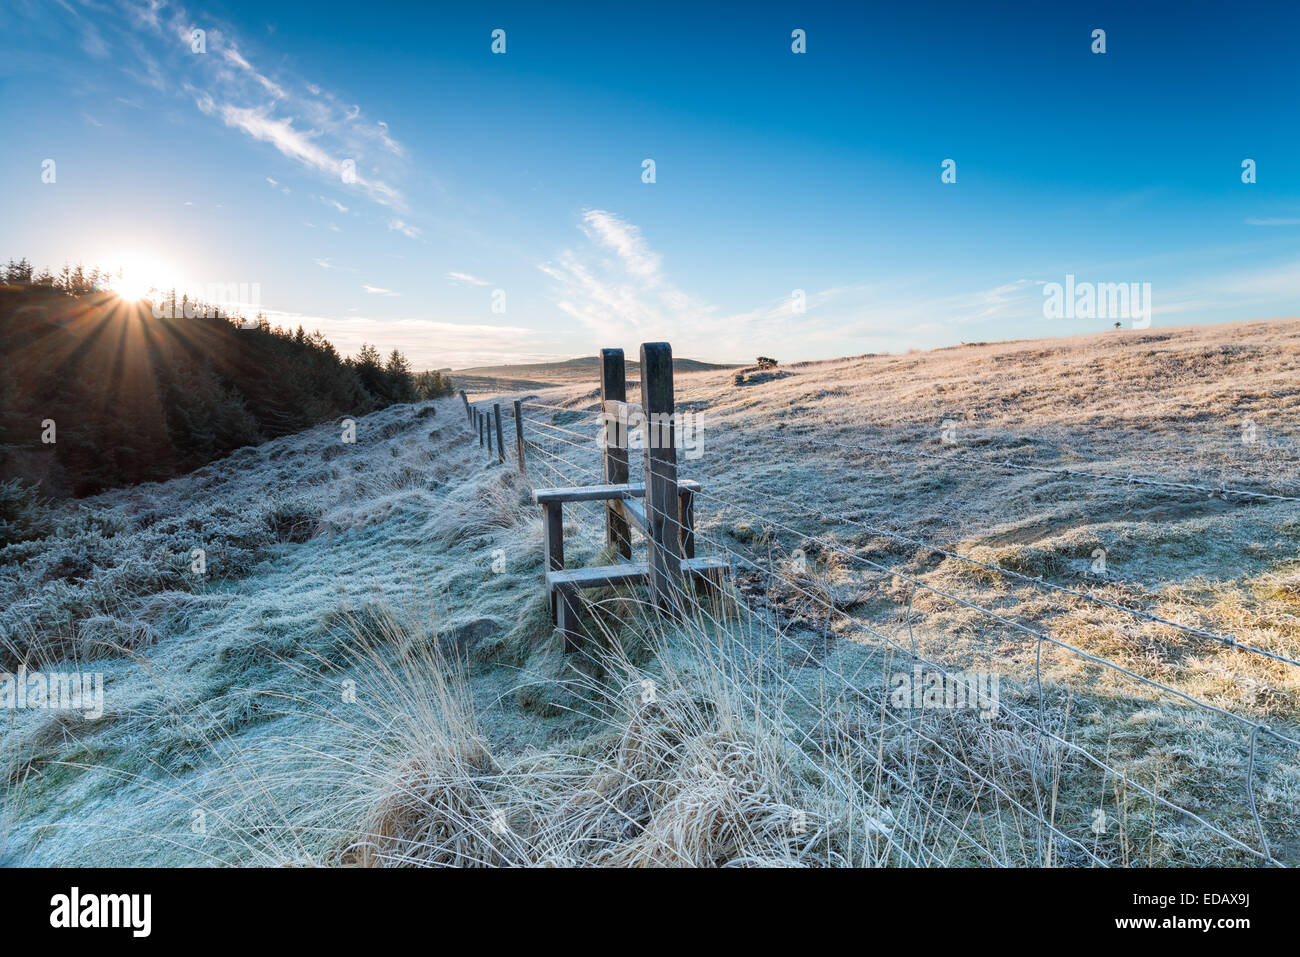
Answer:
(73, 280)
(136, 398)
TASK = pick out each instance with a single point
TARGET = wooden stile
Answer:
(667, 517)
(661, 504)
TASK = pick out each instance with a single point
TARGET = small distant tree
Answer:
(766, 362)
(19, 273)
(432, 385)
(370, 370)
(400, 384)
(397, 364)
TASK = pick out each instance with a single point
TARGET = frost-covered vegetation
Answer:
(366, 673)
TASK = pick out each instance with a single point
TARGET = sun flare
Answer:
(138, 275)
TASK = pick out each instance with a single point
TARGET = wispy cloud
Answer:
(464, 277)
(378, 290)
(306, 123)
(618, 288)
(233, 55)
(1280, 221)
(625, 240)
(622, 297)
(406, 229)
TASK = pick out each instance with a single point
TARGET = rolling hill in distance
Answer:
(537, 375)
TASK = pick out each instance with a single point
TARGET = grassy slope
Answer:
(237, 710)
(1167, 404)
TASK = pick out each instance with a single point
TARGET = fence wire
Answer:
(560, 454)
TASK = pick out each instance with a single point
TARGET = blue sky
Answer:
(516, 178)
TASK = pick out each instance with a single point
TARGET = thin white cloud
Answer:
(233, 55)
(390, 144)
(304, 122)
(629, 296)
(406, 229)
(378, 290)
(459, 277)
(625, 240)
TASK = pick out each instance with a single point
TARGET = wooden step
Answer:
(626, 573)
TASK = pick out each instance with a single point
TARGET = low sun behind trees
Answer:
(133, 398)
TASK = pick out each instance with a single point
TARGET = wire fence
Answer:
(563, 448)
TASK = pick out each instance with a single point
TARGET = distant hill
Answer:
(538, 375)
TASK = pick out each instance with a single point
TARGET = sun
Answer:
(138, 275)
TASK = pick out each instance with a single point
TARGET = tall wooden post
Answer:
(613, 388)
(687, 497)
(519, 433)
(501, 444)
(564, 601)
(478, 417)
(487, 427)
(468, 414)
(661, 504)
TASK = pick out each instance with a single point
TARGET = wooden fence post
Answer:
(661, 503)
(613, 436)
(487, 425)
(468, 414)
(478, 416)
(519, 433)
(687, 497)
(501, 443)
